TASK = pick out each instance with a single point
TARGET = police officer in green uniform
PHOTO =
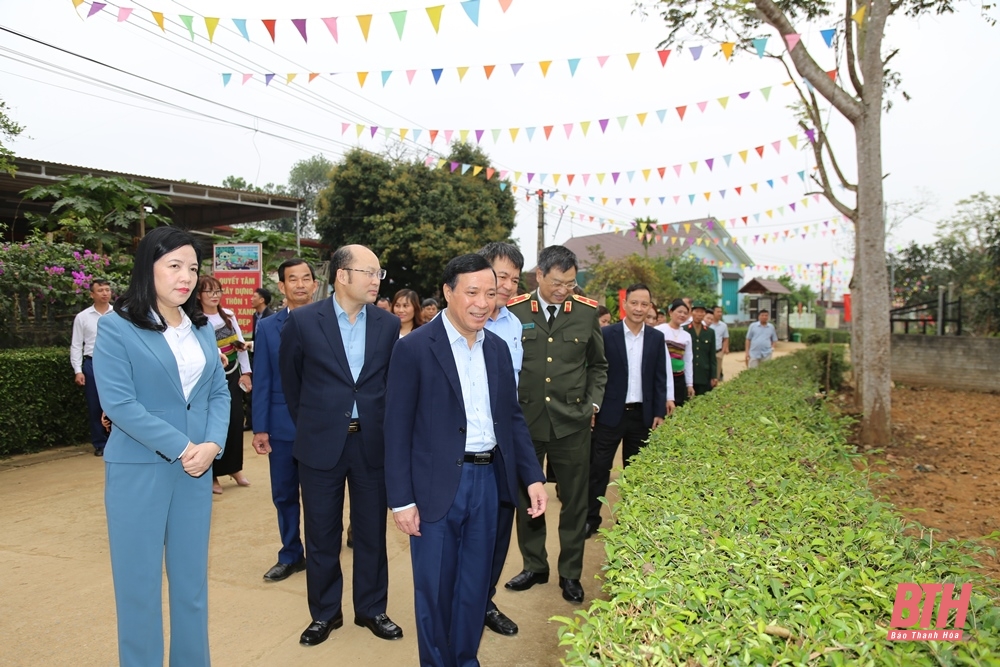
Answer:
(704, 360)
(561, 388)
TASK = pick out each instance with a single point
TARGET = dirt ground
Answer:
(57, 602)
(944, 463)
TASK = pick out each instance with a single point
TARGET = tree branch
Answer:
(806, 66)
(824, 180)
(852, 67)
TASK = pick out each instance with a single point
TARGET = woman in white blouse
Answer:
(233, 355)
(161, 385)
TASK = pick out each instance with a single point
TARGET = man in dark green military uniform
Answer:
(704, 360)
(561, 388)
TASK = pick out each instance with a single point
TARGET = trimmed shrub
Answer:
(40, 406)
(745, 536)
(737, 339)
(817, 336)
(818, 360)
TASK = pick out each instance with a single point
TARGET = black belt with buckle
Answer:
(633, 406)
(87, 356)
(354, 426)
(480, 458)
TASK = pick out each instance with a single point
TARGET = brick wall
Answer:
(954, 362)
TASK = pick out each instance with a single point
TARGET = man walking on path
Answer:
(507, 262)
(703, 358)
(334, 358)
(721, 330)
(761, 338)
(81, 351)
(636, 397)
(561, 389)
(274, 431)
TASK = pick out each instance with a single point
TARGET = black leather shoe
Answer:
(282, 571)
(590, 529)
(572, 590)
(381, 626)
(499, 623)
(318, 631)
(98, 452)
(526, 580)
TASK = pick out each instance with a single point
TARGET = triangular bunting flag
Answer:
(398, 20)
(828, 35)
(544, 65)
(434, 14)
(573, 63)
(300, 25)
(663, 56)
(210, 25)
(727, 49)
(633, 58)
(471, 8)
(270, 25)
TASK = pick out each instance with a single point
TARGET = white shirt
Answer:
(84, 336)
(633, 351)
(545, 306)
(217, 322)
(721, 330)
(508, 327)
(678, 338)
(187, 352)
(479, 433)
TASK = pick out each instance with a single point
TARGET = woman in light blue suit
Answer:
(164, 390)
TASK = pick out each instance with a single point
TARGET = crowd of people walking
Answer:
(440, 417)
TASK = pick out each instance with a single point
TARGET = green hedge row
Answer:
(737, 339)
(745, 536)
(40, 405)
(814, 336)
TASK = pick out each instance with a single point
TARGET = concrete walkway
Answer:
(58, 604)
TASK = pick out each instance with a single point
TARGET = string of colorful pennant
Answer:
(364, 21)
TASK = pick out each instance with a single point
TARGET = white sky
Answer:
(938, 147)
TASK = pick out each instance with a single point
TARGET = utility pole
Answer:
(541, 219)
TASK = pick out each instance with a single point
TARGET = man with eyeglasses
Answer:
(561, 387)
(334, 358)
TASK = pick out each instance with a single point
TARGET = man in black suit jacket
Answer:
(635, 399)
(457, 445)
(334, 358)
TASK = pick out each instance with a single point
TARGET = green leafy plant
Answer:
(745, 536)
(737, 339)
(40, 406)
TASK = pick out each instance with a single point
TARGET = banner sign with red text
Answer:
(238, 267)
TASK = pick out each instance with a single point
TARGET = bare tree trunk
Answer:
(857, 329)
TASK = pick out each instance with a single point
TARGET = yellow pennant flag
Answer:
(517, 177)
(708, 196)
(770, 213)
(513, 134)
(476, 169)
(694, 166)
(698, 241)
(365, 21)
(584, 125)
(645, 174)
(646, 199)
(604, 201)
(461, 73)
(513, 189)
(633, 58)
(555, 179)
(743, 156)
(641, 117)
(600, 179)
(673, 240)
(290, 77)
(402, 133)
(754, 186)
(794, 141)
(544, 64)
(158, 17)
(441, 162)
(687, 227)
(724, 101)
(362, 76)
(359, 128)
(805, 202)
(859, 15)
(463, 135)
(434, 14)
(210, 25)
(727, 49)
(77, 3)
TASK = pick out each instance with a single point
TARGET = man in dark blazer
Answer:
(334, 357)
(274, 431)
(456, 446)
(635, 398)
(260, 300)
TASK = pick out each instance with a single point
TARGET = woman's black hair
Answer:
(139, 300)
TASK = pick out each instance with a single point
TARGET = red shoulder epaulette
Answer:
(518, 299)
(582, 299)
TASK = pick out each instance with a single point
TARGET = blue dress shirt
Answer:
(508, 327)
(353, 336)
(479, 433)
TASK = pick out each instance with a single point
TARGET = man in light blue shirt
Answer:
(507, 262)
(354, 341)
(761, 338)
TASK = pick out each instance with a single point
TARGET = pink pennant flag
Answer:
(447, 136)
(345, 126)
(505, 5)
(586, 177)
(777, 146)
(677, 199)
(569, 129)
(601, 60)
(123, 14)
(409, 74)
(331, 25)
(702, 106)
(792, 39)
(96, 7)
(677, 170)
(300, 25)
(247, 77)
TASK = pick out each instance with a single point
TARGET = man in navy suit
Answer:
(274, 431)
(334, 356)
(456, 446)
(635, 399)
